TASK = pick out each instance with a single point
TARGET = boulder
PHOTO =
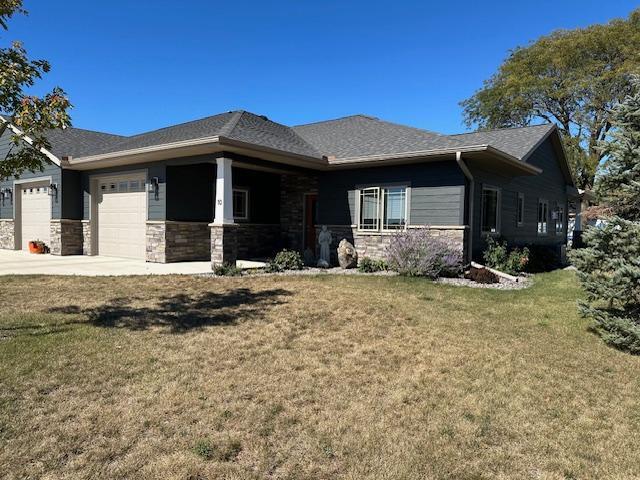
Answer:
(347, 255)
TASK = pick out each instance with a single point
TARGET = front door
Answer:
(310, 202)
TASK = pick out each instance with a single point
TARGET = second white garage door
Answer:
(122, 215)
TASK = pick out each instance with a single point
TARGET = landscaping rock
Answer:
(347, 255)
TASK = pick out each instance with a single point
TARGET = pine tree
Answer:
(609, 267)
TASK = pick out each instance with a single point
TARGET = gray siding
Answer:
(549, 185)
(50, 170)
(437, 192)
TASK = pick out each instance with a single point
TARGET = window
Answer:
(520, 211)
(240, 204)
(560, 220)
(490, 210)
(543, 217)
(382, 208)
(369, 209)
(395, 204)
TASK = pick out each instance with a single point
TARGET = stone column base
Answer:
(66, 237)
(87, 240)
(224, 244)
(7, 234)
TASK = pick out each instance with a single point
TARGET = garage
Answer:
(35, 214)
(121, 216)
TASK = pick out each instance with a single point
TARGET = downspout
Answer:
(467, 173)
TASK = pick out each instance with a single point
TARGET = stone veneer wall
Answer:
(156, 242)
(7, 234)
(170, 241)
(374, 245)
(66, 237)
(87, 248)
(292, 190)
(187, 242)
(224, 244)
(258, 240)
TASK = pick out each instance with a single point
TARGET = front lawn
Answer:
(308, 378)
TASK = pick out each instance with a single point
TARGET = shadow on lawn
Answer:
(181, 312)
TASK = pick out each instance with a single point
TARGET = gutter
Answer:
(469, 176)
(386, 158)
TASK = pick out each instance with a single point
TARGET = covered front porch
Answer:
(233, 209)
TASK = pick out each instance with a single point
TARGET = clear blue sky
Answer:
(135, 65)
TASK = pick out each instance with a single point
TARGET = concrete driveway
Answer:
(24, 263)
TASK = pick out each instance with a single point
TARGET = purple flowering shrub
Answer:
(417, 253)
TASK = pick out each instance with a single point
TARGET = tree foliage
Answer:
(609, 268)
(572, 78)
(32, 115)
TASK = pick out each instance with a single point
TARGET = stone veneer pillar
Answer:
(7, 234)
(156, 242)
(224, 244)
(87, 240)
(66, 237)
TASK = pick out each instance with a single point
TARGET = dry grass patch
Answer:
(308, 378)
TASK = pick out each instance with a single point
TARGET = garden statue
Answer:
(324, 239)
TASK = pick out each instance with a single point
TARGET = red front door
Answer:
(310, 202)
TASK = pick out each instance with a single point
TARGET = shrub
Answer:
(226, 270)
(369, 265)
(418, 253)
(286, 260)
(543, 258)
(481, 275)
(498, 255)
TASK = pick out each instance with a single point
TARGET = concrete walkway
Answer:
(24, 263)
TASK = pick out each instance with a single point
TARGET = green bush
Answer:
(286, 260)
(543, 258)
(226, 270)
(498, 255)
(369, 265)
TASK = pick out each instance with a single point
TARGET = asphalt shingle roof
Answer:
(514, 141)
(239, 125)
(77, 142)
(361, 135)
(342, 138)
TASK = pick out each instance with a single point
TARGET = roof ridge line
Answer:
(550, 124)
(230, 126)
(370, 117)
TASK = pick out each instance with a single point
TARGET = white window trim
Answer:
(498, 190)
(380, 208)
(560, 231)
(544, 202)
(246, 203)
(520, 210)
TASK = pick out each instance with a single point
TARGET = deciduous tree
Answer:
(32, 115)
(570, 77)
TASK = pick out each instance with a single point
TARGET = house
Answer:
(240, 186)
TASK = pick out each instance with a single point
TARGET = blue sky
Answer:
(131, 66)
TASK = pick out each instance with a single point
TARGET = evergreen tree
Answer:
(609, 268)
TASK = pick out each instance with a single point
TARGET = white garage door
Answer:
(35, 213)
(122, 215)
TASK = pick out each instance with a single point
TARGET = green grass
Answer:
(308, 378)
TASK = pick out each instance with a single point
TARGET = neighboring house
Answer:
(239, 186)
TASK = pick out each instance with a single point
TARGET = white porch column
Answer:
(224, 193)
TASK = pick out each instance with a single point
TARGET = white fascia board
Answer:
(29, 140)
